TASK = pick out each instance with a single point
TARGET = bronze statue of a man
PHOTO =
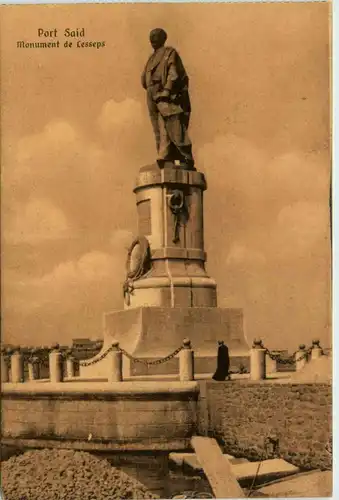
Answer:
(166, 83)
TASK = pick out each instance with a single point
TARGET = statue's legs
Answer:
(165, 149)
(176, 128)
(171, 137)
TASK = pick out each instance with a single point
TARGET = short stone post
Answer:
(186, 362)
(33, 366)
(300, 357)
(17, 366)
(56, 365)
(4, 366)
(317, 351)
(258, 361)
(271, 364)
(114, 363)
(70, 365)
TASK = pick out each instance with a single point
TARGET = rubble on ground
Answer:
(64, 474)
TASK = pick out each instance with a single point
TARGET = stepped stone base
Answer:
(155, 332)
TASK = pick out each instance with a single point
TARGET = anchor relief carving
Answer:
(178, 208)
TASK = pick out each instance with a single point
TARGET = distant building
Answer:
(283, 352)
(82, 342)
(85, 343)
(85, 348)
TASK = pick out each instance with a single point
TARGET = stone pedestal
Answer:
(155, 332)
(176, 237)
(271, 364)
(316, 353)
(70, 367)
(258, 363)
(4, 368)
(186, 362)
(301, 358)
(168, 293)
(17, 368)
(33, 368)
(114, 361)
(55, 366)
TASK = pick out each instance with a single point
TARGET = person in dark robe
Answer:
(166, 83)
(223, 363)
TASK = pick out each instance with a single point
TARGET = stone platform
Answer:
(155, 332)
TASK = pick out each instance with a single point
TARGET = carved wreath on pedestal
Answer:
(138, 263)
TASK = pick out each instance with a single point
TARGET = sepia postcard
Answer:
(166, 251)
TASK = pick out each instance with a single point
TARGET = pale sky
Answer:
(75, 132)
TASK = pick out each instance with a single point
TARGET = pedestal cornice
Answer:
(152, 175)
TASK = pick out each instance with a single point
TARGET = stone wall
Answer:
(128, 415)
(241, 414)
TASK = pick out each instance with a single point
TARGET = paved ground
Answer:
(153, 378)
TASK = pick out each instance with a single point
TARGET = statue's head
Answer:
(158, 37)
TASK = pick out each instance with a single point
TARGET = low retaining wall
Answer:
(241, 414)
(128, 415)
(162, 416)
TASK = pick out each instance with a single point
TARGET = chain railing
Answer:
(290, 360)
(42, 357)
(296, 361)
(132, 358)
(99, 358)
(154, 361)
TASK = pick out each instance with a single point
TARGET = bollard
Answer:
(70, 365)
(4, 367)
(98, 344)
(271, 364)
(317, 351)
(17, 366)
(55, 365)
(258, 361)
(33, 368)
(186, 362)
(300, 357)
(114, 363)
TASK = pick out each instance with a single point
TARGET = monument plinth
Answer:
(170, 216)
(167, 293)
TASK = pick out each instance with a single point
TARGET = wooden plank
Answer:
(217, 469)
